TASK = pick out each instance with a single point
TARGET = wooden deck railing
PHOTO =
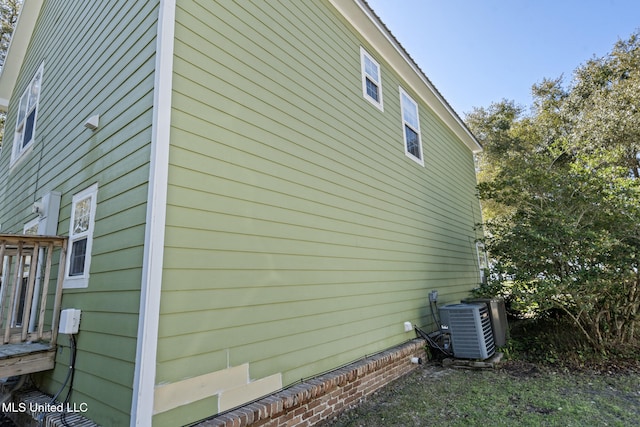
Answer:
(29, 308)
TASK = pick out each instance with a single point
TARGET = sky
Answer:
(476, 52)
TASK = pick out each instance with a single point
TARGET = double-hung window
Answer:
(411, 128)
(371, 79)
(83, 212)
(27, 115)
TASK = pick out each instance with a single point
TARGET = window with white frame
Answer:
(371, 79)
(83, 212)
(411, 128)
(482, 255)
(483, 264)
(27, 115)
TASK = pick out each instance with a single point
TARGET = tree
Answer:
(605, 100)
(9, 10)
(561, 197)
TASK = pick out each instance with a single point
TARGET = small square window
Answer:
(371, 79)
(78, 256)
(411, 128)
(413, 142)
(372, 90)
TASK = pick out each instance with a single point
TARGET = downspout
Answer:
(151, 286)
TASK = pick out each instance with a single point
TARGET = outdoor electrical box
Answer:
(470, 329)
(69, 321)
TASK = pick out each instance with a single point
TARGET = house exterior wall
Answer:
(98, 59)
(299, 235)
(328, 395)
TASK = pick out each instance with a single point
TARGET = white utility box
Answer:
(69, 321)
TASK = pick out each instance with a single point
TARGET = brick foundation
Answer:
(326, 396)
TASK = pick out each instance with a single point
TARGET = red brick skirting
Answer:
(326, 396)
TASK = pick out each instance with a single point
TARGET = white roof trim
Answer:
(18, 49)
(364, 19)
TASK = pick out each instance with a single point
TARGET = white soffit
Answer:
(18, 49)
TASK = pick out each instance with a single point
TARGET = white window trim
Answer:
(81, 281)
(18, 151)
(483, 261)
(419, 160)
(482, 256)
(378, 103)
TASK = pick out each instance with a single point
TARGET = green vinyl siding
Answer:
(99, 58)
(299, 236)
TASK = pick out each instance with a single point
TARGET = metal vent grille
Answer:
(470, 329)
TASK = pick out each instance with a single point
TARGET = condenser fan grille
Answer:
(470, 329)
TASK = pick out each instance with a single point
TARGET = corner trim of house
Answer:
(326, 396)
(151, 285)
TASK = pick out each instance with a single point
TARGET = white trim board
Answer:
(151, 286)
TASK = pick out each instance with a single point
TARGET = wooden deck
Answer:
(26, 358)
(30, 297)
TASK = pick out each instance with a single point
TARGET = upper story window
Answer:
(371, 79)
(27, 115)
(411, 128)
(83, 212)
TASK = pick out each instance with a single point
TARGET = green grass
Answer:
(516, 394)
(549, 377)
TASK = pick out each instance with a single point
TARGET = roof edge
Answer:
(17, 49)
(376, 33)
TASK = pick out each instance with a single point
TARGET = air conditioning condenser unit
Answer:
(470, 328)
